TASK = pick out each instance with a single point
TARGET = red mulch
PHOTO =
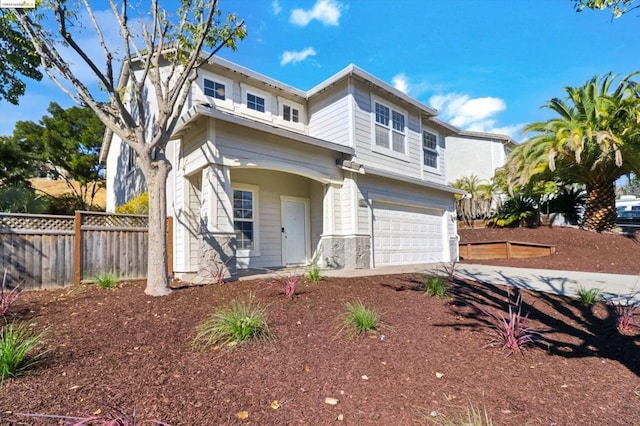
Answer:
(576, 249)
(125, 349)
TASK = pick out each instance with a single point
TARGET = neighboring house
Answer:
(350, 174)
(476, 153)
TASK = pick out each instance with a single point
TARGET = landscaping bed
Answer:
(120, 348)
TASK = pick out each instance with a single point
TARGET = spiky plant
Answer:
(18, 349)
(359, 319)
(243, 320)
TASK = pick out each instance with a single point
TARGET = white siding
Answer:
(317, 197)
(468, 156)
(329, 115)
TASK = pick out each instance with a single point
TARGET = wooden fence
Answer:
(48, 251)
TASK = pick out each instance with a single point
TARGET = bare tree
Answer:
(160, 56)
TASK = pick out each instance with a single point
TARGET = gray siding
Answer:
(411, 165)
(251, 147)
(271, 185)
(329, 115)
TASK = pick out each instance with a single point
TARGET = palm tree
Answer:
(594, 141)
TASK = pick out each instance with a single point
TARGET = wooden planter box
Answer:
(503, 250)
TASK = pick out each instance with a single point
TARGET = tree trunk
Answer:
(600, 208)
(157, 275)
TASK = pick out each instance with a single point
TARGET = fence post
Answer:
(170, 246)
(77, 248)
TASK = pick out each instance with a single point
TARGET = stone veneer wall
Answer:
(217, 258)
(349, 252)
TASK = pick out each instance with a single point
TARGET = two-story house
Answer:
(349, 174)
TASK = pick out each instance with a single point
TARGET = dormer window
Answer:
(255, 102)
(290, 114)
(215, 89)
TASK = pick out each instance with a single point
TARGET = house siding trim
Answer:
(198, 111)
(384, 173)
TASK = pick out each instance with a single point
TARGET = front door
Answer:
(295, 230)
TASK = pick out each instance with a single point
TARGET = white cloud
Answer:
(474, 114)
(326, 11)
(276, 7)
(295, 57)
(404, 84)
(401, 82)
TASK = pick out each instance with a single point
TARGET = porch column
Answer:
(341, 246)
(217, 240)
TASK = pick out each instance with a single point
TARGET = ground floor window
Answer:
(243, 218)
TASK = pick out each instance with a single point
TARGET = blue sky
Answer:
(486, 65)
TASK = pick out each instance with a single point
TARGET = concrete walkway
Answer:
(623, 288)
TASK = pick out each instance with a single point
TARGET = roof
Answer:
(506, 139)
(350, 70)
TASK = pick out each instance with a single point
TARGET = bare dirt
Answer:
(121, 348)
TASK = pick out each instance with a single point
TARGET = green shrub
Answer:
(106, 280)
(359, 319)
(242, 321)
(435, 285)
(588, 296)
(136, 205)
(516, 211)
(314, 274)
(17, 344)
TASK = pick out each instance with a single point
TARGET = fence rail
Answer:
(52, 251)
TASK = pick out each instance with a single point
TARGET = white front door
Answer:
(295, 230)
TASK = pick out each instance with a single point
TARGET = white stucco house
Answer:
(348, 174)
(476, 153)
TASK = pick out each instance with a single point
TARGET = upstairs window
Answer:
(214, 89)
(430, 149)
(255, 103)
(390, 128)
(290, 114)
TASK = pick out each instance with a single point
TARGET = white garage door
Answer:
(405, 235)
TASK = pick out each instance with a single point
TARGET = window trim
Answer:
(228, 89)
(301, 112)
(132, 160)
(434, 150)
(381, 149)
(255, 190)
(245, 89)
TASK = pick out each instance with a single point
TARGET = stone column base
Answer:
(349, 252)
(217, 258)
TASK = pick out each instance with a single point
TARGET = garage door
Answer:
(405, 235)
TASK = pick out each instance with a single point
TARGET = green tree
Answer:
(16, 165)
(17, 57)
(594, 140)
(618, 7)
(160, 55)
(66, 144)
